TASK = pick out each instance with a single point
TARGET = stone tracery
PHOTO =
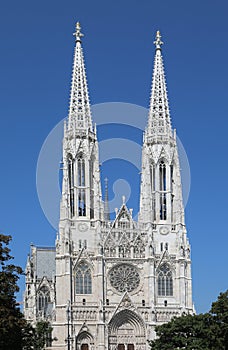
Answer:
(124, 278)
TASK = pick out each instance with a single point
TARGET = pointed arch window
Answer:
(83, 279)
(81, 186)
(91, 184)
(171, 188)
(152, 182)
(162, 176)
(165, 280)
(162, 188)
(152, 176)
(43, 299)
(71, 183)
(81, 171)
(81, 202)
(171, 177)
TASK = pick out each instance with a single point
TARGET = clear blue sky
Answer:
(35, 73)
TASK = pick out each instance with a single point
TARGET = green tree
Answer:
(12, 322)
(42, 335)
(207, 331)
(187, 332)
(38, 337)
(219, 310)
(15, 332)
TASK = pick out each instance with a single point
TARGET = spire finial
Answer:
(78, 33)
(158, 43)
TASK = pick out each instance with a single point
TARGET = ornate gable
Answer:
(165, 258)
(125, 303)
(123, 218)
(159, 151)
(83, 257)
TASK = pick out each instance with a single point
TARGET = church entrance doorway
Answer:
(121, 347)
(127, 331)
(84, 340)
(126, 347)
(84, 347)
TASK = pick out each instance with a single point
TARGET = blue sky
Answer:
(35, 70)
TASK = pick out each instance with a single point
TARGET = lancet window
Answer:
(83, 279)
(152, 181)
(162, 188)
(43, 299)
(91, 171)
(162, 176)
(171, 177)
(81, 186)
(165, 281)
(171, 188)
(71, 183)
(81, 172)
(152, 177)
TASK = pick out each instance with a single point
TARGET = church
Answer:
(107, 283)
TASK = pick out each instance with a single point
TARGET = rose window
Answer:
(124, 278)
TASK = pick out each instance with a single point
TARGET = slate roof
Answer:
(45, 262)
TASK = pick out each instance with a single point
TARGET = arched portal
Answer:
(127, 331)
(84, 341)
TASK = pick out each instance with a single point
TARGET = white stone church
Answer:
(107, 284)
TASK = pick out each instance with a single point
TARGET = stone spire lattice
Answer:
(159, 121)
(79, 111)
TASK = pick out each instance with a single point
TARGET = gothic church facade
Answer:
(107, 284)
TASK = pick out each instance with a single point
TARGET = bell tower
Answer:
(81, 207)
(81, 192)
(161, 203)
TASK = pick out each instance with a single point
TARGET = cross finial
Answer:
(158, 43)
(78, 33)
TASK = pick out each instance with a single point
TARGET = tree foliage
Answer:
(42, 335)
(12, 322)
(207, 331)
(15, 332)
(219, 310)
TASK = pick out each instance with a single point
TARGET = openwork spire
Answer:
(79, 111)
(159, 122)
